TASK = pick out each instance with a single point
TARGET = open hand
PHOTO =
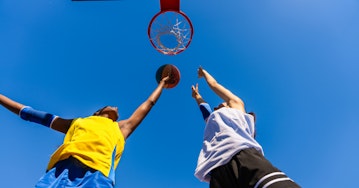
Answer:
(195, 91)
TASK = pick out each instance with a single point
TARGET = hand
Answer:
(196, 95)
(195, 91)
(200, 72)
(165, 80)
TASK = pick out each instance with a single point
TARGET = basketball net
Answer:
(170, 33)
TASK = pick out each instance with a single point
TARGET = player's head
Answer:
(223, 104)
(109, 112)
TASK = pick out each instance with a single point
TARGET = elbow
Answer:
(238, 101)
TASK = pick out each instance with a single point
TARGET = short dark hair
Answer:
(99, 111)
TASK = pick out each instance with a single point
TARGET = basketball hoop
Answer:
(170, 31)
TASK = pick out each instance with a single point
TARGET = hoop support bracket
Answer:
(170, 5)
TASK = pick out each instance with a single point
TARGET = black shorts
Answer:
(249, 169)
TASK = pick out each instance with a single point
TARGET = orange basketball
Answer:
(168, 70)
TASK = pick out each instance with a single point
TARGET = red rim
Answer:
(162, 12)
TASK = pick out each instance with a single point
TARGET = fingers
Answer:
(166, 78)
(200, 68)
(195, 92)
(195, 88)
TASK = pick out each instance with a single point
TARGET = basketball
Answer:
(168, 70)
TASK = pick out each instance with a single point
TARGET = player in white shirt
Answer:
(230, 156)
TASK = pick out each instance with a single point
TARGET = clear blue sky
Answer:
(293, 62)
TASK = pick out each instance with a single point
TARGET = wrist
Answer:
(198, 96)
(162, 83)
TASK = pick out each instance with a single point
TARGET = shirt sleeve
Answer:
(205, 109)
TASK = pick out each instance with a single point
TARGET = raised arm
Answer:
(129, 125)
(30, 114)
(232, 100)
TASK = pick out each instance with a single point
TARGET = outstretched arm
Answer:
(129, 125)
(232, 100)
(29, 114)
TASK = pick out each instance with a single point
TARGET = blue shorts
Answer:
(71, 173)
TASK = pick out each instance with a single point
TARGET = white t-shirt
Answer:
(227, 132)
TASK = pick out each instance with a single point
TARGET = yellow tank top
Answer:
(96, 141)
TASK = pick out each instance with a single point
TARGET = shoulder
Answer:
(62, 125)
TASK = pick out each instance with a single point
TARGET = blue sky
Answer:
(293, 62)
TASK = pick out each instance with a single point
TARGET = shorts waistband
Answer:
(72, 164)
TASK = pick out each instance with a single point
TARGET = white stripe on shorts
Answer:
(267, 176)
(275, 180)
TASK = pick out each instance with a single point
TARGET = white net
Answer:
(170, 33)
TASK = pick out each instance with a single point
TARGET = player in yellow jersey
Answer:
(92, 146)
